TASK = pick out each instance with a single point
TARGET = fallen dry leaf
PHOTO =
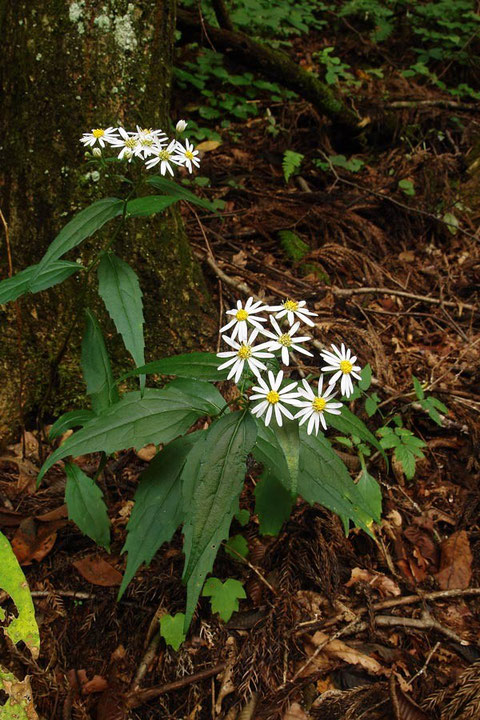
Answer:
(455, 562)
(385, 585)
(295, 712)
(208, 145)
(33, 542)
(58, 514)
(98, 571)
(338, 650)
(147, 453)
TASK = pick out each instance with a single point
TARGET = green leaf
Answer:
(77, 230)
(350, 424)
(294, 248)
(235, 546)
(452, 222)
(69, 420)
(273, 504)
(149, 205)
(419, 391)
(199, 366)
(171, 629)
(407, 187)
(371, 404)
(158, 416)
(158, 509)
(288, 438)
(214, 475)
(23, 627)
(224, 596)
(19, 284)
(268, 452)
(119, 288)
(179, 192)
(366, 375)
(86, 506)
(203, 394)
(96, 366)
(242, 517)
(324, 479)
(371, 494)
(291, 163)
(407, 460)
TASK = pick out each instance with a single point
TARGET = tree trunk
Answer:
(69, 66)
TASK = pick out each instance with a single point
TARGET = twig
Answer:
(432, 103)
(426, 663)
(135, 699)
(347, 292)
(394, 698)
(255, 570)
(425, 622)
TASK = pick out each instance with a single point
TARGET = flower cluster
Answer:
(246, 325)
(151, 146)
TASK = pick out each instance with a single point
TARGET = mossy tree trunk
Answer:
(68, 66)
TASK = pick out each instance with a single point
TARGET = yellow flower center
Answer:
(244, 352)
(241, 315)
(346, 367)
(98, 133)
(285, 340)
(130, 143)
(189, 155)
(146, 141)
(290, 305)
(164, 155)
(273, 397)
(319, 404)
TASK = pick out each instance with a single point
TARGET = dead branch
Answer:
(135, 699)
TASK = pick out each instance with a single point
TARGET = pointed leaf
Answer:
(179, 192)
(201, 392)
(149, 205)
(350, 424)
(69, 420)
(86, 506)
(288, 439)
(96, 366)
(119, 288)
(171, 629)
(158, 509)
(19, 284)
(158, 417)
(216, 469)
(273, 504)
(22, 628)
(81, 227)
(199, 366)
(268, 452)
(371, 495)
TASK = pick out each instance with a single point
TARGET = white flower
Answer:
(292, 309)
(164, 156)
(243, 316)
(342, 363)
(128, 142)
(242, 353)
(286, 342)
(180, 126)
(148, 141)
(272, 398)
(187, 155)
(100, 136)
(314, 406)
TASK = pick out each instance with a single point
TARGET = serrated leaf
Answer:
(96, 366)
(371, 405)
(149, 205)
(350, 424)
(69, 420)
(158, 508)
(407, 460)
(235, 546)
(86, 506)
(21, 283)
(324, 479)
(77, 230)
(23, 627)
(417, 386)
(273, 504)
(158, 416)
(291, 163)
(119, 289)
(215, 470)
(171, 629)
(179, 192)
(199, 366)
(224, 597)
(288, 438)
(366, 375)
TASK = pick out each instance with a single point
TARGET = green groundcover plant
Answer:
(197, 476)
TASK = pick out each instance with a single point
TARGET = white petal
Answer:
(228, 325)
(311, 424)
(335, 377)
(278, 415)
(268, 416)
(285, 356)
(284, 410)
(227, 364)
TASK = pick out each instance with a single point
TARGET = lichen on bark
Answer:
(68, 67)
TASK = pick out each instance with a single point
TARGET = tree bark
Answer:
(68, 66)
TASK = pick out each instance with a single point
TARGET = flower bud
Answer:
(180, 126)
(97, 152)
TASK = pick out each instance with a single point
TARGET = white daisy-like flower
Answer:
(244, 352)
(100, 136)
(181, 126)
(243, 316)
(128, 142)
(286, 341)
(314, 406)
(293, 309)
(187, 155)
(272, 398)
(148, 141)
(165, 156)
(342, 364)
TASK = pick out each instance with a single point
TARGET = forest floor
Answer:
(333, 627)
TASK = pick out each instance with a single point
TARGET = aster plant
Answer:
(282, 396)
